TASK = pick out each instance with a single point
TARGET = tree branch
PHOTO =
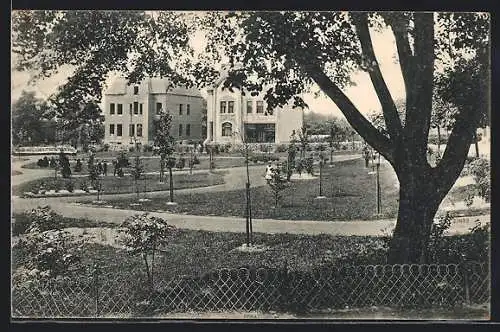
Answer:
(389, 109)
(457, 148)
(369, 133)
(400, 26)
(419, 97)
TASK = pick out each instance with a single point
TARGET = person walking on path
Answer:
(99, 168)
(366, 153)
(114, 167)
(269, 172)
(105, 168)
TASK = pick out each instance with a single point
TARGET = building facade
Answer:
(232, 116)
(131, 110)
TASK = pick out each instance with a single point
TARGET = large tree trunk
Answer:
(415, 217)
(419, 201)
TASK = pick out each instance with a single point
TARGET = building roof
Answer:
(154, 85)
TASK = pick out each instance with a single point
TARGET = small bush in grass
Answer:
(281, 148)
(181, 163)
(119, 172)
(480, 171)
(57, 186)
(84, 185)
(299, 166)
(308, 165)
(145, 235)
(35, 189)
(122, 160)
(277, 183)
(196, 161)
(105, 147)
(64, 164)
(43, 218)
(47, 255)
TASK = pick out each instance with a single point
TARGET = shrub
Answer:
(277, 183)
(119, 172)
(281, 148)
(196, 161)
(308, 165)
(147, 148)
(263, 158)
(122, 160)
(145, 235)
(57, 186)
(42, 219)
(84, 186)
(35, 189)
(480, 171)
(48, 254)
(321, 147)
(299, 166)
(131, 149)
(43, 162)
(181, 163)
(65, 167)
(105, 147)
(52, 163)
(70, 186)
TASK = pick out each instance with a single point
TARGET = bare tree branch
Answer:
(369, 133)
(388, 106)
(400, 27)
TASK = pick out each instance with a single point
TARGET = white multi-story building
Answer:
(130, 111)
(232, 115)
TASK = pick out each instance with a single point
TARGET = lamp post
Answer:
(379, 202)
(321, 163)
(248, 209)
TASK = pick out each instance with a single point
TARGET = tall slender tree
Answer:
(164, 144)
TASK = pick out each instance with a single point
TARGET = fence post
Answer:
(463, 268)
(96, 288)
(285, 288)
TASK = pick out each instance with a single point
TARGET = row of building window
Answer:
(136, 130)
(230, 106)
(159, 108)
(136, 108)
(133, 130)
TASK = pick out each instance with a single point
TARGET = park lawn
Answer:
(350, 192)
(194, 252)
(126, 184)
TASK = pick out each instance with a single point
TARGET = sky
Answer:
(361, 94)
